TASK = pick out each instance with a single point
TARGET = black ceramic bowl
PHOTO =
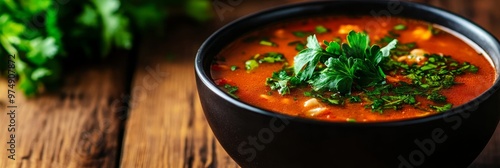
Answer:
(255, 137)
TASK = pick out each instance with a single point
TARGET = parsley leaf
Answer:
(301, 34)
(441, 108)
(357, 45)
(338, 76)
(320, 29)
(400, 27)
(272, 57)
(355, 63)
(305, 62)
(251, 64)
(231, 90)
(282, 82)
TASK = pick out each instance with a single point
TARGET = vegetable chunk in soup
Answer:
(339, 69)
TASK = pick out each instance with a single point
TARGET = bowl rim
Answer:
(469, 106)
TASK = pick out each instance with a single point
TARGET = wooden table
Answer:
(140, 108)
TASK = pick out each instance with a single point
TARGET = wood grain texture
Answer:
(166, 127)
(74, 127)
(80, 126)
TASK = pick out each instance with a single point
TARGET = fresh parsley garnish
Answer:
(231, 90)
(353, 63)
(282, 82)
(332, 71)
(301, 34)
(267, 43)
(441, 108)
(400, 27)
(321, 29)
(234, 68)
(251, 64)
(305, 62)
(272, 57)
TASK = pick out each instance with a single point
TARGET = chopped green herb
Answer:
(441, 108)
(333, 99)
(401, 48)
(308, 94)
(301, 34)
(400, 27)
(282, 82)
(299, 46)
(428, 67)
(392, 102)
(267, 43)
(321, 29)
(433, 30)
(251, 64)
(351, 120)
(234, 67)
(355, 99)
(336, 69)
(436, 97)
(231, 90)
(272, 57)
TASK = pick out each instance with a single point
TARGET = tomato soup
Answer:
(343, 68)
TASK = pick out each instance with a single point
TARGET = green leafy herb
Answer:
(321, 29)
(400, 27)
(267, 43)
(231, 90)
(301, 34)
(42, 32)
(234, 68)
(441, 108)
(438, 72)
(358, 64)
(355, 99)
(392, 102)
(251, 64)
(433, 30)
(305, 62)
(332, 71)
(282, 82)
(338, 76)
(272, 57)
(308, 94)
(401, 48)
(351, 120)
(299, 46)
(436, 97)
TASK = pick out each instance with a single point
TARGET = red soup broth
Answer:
(229, 67)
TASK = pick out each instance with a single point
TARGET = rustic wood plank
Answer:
(166, 127)
(77, 126)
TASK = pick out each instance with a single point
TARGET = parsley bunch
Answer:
(348, 65)
(332, 72)
(41, 33)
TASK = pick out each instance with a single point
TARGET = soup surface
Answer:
(354, 69)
